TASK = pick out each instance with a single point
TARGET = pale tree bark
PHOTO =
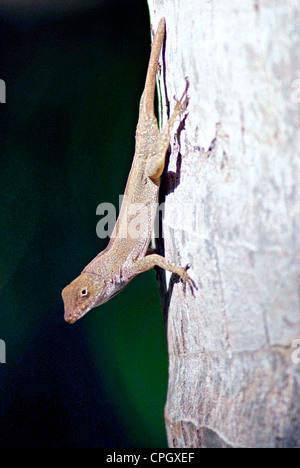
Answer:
(232, 212)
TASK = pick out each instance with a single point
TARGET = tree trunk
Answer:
(231, 192)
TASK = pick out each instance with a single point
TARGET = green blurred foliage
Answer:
(73, 82)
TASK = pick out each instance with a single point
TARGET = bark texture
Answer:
(231, 192)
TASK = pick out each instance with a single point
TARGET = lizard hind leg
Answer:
(156, 163)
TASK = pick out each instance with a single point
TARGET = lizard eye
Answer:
(84, 292)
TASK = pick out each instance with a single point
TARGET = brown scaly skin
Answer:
(126, 254)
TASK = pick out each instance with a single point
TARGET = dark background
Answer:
(73, 81)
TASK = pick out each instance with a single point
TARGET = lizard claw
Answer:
(186, 279)
(182, 103)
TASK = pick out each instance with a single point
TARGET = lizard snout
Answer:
(69, 316)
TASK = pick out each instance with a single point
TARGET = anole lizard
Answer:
(127, 255)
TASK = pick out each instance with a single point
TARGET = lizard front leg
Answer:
(156, 163)
(150, 261)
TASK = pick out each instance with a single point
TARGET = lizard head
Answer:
(81, 295)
